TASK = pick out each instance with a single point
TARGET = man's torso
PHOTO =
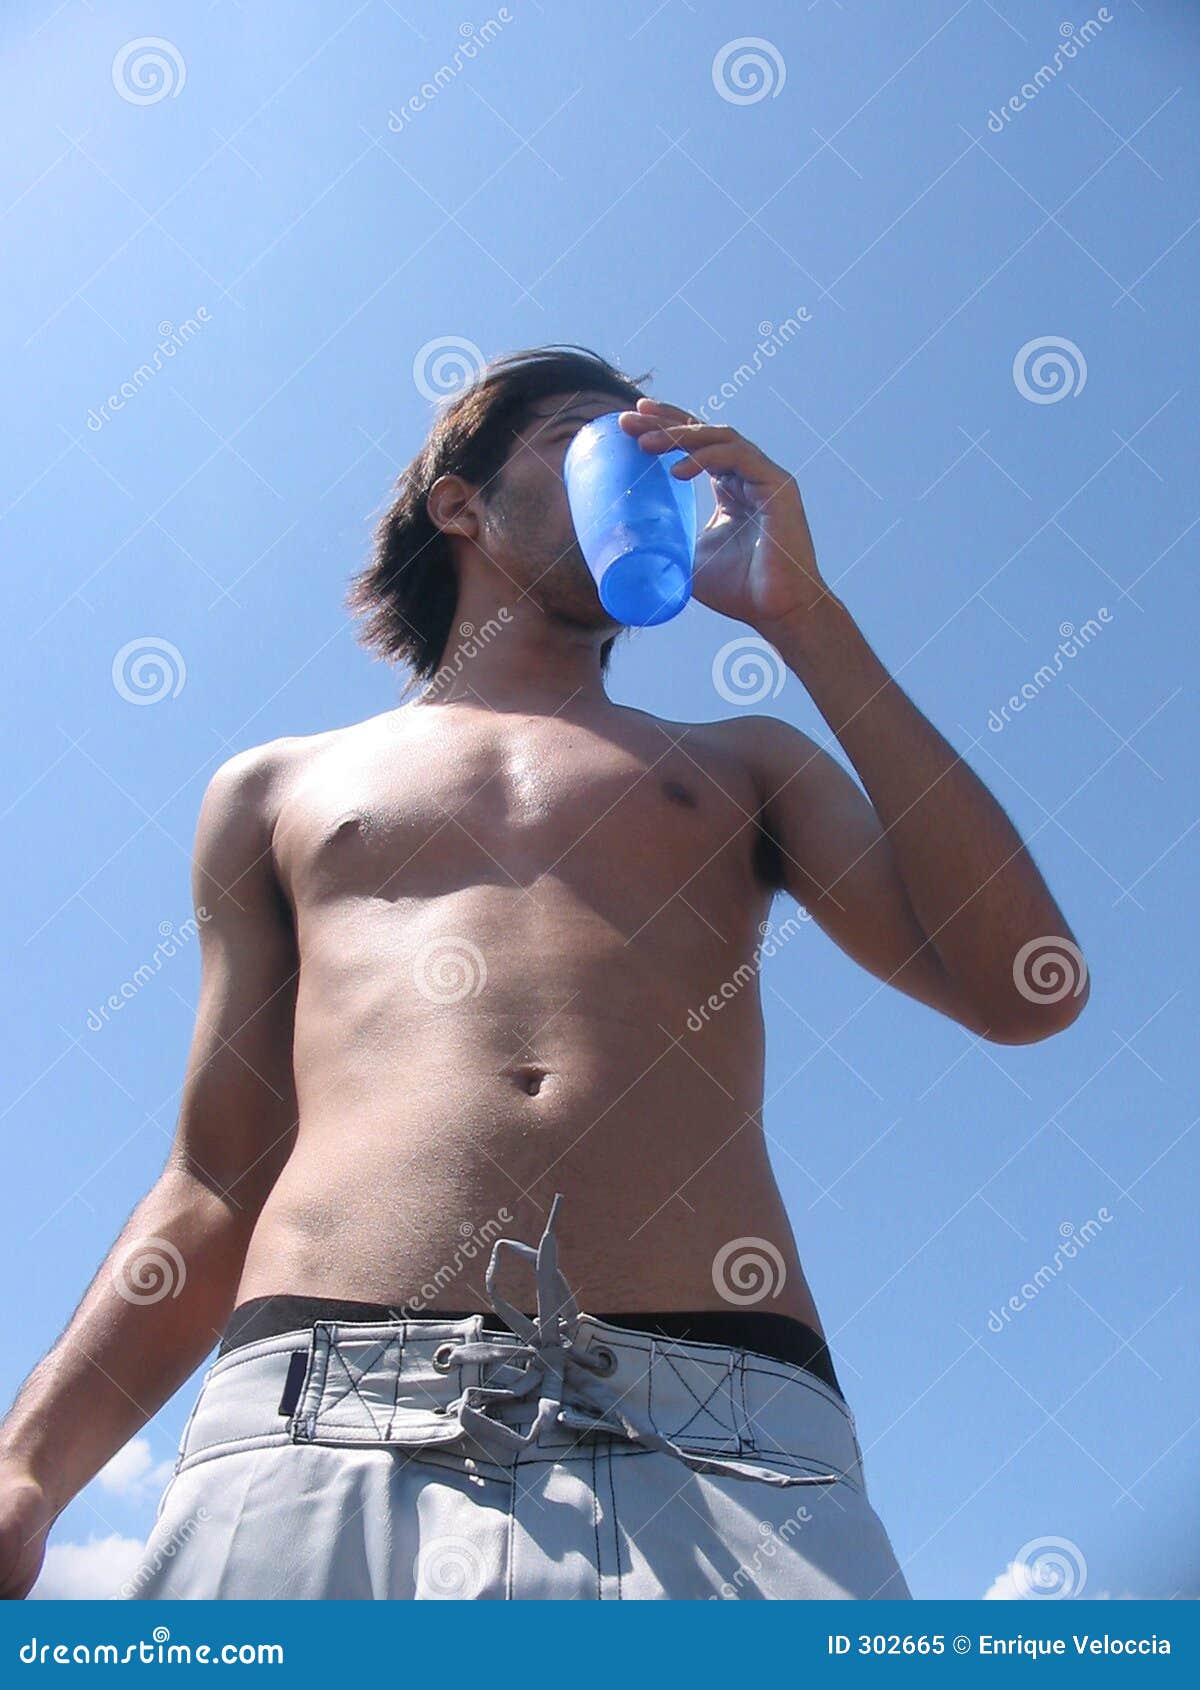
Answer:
(508, 928)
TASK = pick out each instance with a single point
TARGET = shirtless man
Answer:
(455, 961)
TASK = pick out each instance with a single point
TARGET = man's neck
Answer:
(520, 661)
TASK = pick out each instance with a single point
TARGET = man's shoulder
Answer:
(754, 740)
(253, 784)
(248, 778)
(260, 772)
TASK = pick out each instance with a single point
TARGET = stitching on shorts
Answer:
(809, 1382)
(510, 1571)
(229, 1365)
(702, 1406)
(746, 1430)
(612, 1491)
(396, 1383)
(596, 1517)
(252, 1440)
(658, 1350)
(335, 1349)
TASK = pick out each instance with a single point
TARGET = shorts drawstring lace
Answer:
(547, 1359)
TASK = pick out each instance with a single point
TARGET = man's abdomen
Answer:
(413, 1159)
(460, 1059)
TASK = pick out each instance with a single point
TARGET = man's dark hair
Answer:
(407, 593)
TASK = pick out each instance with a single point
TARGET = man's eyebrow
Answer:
(571, 414)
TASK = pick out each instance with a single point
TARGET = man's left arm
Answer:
(937, 889)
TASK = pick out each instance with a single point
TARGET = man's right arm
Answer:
(126, 1350)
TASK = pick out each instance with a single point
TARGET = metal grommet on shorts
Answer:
(607, 1359)
(441, 1356)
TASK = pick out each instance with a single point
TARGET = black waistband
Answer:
(776, 1335)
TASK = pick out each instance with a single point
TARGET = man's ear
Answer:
(451, 506)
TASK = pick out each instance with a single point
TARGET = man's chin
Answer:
(570, 597)
(584, 619)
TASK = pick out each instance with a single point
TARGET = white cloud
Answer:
(1013, 1586)
(90, 1571)
(1006, 1588)
(132, 1473)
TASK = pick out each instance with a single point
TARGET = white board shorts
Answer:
(425, 1459)
(336, 1502)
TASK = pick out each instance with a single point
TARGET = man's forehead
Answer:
(575, 407)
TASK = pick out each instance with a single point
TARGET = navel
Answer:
(528, 1077)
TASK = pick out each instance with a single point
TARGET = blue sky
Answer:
(280, 212)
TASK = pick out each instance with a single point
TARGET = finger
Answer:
(665, 436)
(734, 452)
(737, 457)
(659, 407)
(652, 413)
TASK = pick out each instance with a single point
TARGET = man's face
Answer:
(528, 533)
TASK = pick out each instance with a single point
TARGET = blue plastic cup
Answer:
(635, 523)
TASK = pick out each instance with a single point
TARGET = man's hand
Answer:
(754, 558)
(26, 1515)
